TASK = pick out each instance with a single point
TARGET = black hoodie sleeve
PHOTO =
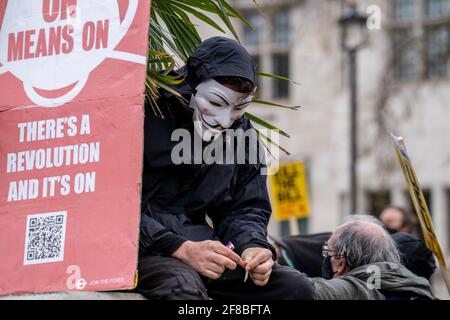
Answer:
(155, 239)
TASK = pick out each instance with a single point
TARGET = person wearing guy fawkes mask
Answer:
(180, 255)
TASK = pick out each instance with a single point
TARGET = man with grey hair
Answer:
(362, 262)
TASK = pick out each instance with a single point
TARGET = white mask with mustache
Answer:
(216, 108)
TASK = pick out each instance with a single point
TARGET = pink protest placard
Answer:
(72, 78)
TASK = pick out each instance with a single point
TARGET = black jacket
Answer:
(303, 252)
(177, 198)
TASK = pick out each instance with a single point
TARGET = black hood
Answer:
(214, 57)
(415, 255)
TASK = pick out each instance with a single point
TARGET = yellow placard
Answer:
(420, 206)
(289, 193)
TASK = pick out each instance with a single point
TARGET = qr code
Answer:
(45, 236)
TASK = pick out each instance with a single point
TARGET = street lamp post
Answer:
(353, 36)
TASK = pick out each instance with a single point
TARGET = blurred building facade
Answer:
(404, 88)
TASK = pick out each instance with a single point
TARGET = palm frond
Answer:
(265, 124)
(275, 76)
(171, 30)
(274, 104)
(268, 140)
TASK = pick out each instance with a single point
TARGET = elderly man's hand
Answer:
(209, 258)
(259, 263)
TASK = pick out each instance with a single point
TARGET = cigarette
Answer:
(231, 246)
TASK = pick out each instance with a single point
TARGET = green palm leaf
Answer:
(265, 124)
(266, 138)
(273, 104)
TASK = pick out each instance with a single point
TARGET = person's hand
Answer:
(209, 258)
(258, 263)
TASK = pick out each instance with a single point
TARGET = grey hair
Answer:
(364, 240)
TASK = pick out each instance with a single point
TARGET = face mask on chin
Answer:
(216, 108)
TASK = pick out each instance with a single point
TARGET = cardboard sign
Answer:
(420, 206)
(289, 193)
(72, 78)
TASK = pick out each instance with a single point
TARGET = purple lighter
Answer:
(230, 245)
